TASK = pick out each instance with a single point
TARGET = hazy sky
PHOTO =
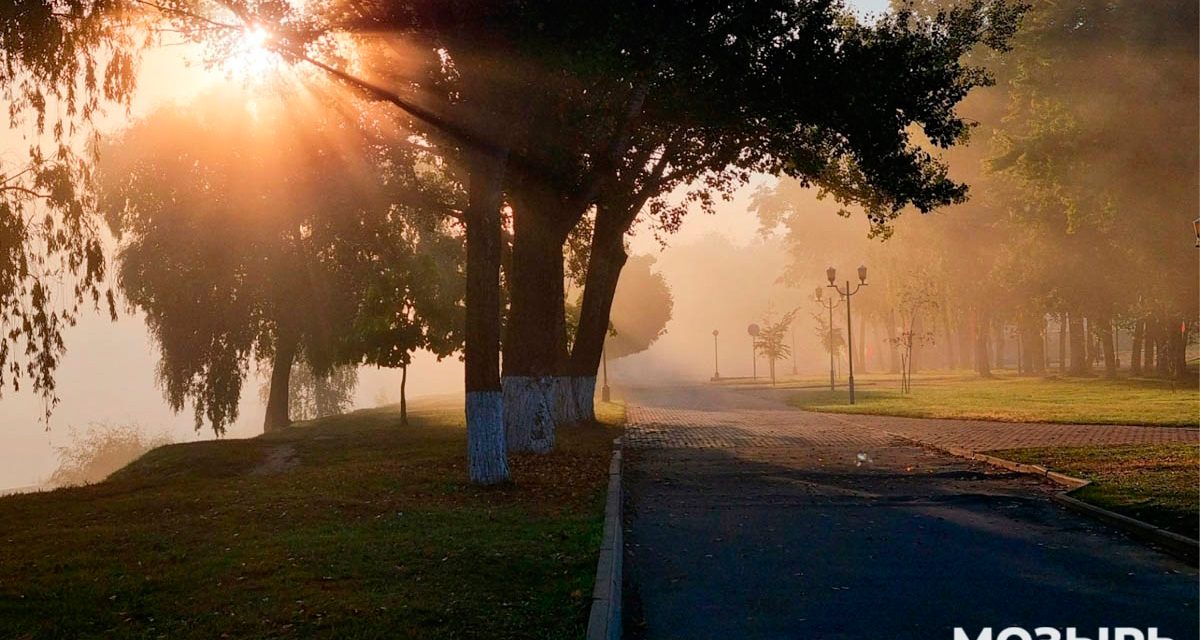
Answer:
(107, 374)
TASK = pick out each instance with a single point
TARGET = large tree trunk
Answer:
(950, 353)
(1107, 346)
(914, 354)
(1162, 339)
(979, 328)
(487, 455)
(1079, 362)
(1062, 344)
(1025, 348)
(1038, 343)
(1001, 357)
(1179, 349)
(535, 399)
(606, 260)
(1135, 356)
(1149, 347)
(1089, 341)
(277, 417)
(966, 351)
(403, 395)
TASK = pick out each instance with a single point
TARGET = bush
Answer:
(95, 454)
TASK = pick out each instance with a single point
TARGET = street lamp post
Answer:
(830, 304)
(716, 362)
(831, 273)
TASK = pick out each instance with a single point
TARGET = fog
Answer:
(764, 252)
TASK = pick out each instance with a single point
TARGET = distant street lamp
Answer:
(831, 273)
(753, 331)
(716, 362)
(830, 304)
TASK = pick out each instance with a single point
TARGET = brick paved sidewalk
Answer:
(978, 436)
(724, 418)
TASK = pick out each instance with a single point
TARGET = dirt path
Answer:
(749, 519)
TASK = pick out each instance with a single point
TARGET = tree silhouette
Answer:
(641, 308)
(772, 340)
(238, 247)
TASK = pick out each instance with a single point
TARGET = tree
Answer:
(856, 148)
(238, 247)
(93, 455)
(312, 396)
(916, 296)
(641, 309)
(470, 74)
(771, 340)
(832, 341)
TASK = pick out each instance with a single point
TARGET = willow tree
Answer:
(252, 230)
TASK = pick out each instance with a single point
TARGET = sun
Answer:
(252, 58)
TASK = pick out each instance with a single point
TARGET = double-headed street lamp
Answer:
(830, 304)
(831, 273)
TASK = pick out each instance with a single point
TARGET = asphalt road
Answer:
(748, 519)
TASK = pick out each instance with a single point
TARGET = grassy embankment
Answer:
(347, 527)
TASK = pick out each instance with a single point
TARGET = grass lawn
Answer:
(1159, 484)
(1017, 399)
(347, 527)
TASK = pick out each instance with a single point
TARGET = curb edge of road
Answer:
(1182, 547)
(1173, 544)
(604, 621)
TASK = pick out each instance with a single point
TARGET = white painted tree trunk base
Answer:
(528, 417)
(487, 454)
(562, 401)
(583, 392)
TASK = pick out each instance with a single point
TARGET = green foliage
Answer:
(641, 308)
(624, 102)
(234, 237)
(772, 339)
(833, 342)
(62, 62)
(1083, 189)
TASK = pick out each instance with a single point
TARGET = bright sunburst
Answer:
(252, 58)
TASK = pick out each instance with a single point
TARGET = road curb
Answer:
(604, 622)
(1181, 547)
